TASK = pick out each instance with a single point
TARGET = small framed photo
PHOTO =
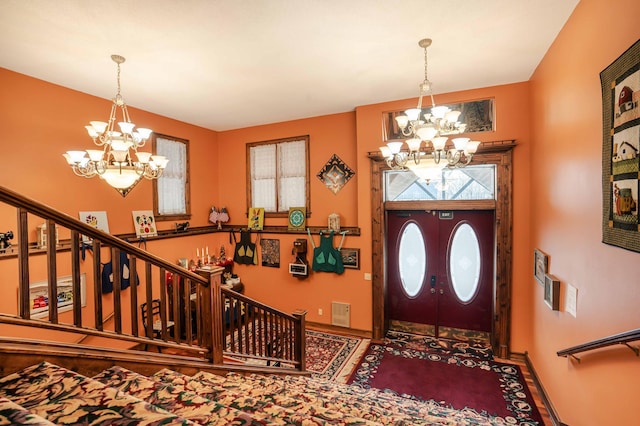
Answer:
(350, 257)
(540, 265)
(552, 292)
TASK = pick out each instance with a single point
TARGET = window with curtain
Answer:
(278, 175)
(171, 191)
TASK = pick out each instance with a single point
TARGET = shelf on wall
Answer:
(65, 245)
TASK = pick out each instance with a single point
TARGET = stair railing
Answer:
(190, 319)
(256, 332)
(615, 339)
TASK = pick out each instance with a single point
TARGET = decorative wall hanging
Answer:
(256, 218)
(350, 257)
(334, 222)
(540, 265)
(297, 218)
(96, 219)
(270, 252)
(335, 174)
(552, 292)
(144, 223)
(620, 144)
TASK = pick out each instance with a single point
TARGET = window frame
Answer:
(187, 193)
(276, 142)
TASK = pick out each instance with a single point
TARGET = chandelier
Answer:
(118, 161)
(432, 127)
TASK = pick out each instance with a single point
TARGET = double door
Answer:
(440, 269)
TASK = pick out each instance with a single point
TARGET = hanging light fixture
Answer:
(118, 162)
(431, 127)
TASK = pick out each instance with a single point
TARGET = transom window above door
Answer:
(427, 182)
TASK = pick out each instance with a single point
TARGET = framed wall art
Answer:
(552, 292)
(97, 219)
(256, 218)
(39, 296)
(270, 252)
(350, 257)
(540, 265)
(620, 150)
(144, 223)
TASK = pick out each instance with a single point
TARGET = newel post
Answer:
(300, 338)
(214, 321)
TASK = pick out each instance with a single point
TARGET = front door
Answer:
(441, 269)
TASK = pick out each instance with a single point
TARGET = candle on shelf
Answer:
(207, 250)
(197, 252)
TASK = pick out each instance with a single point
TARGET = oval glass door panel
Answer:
(464, 262)
(412, 259)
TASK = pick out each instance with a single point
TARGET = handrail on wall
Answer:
(616, 339)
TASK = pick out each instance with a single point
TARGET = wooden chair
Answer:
(156, 321)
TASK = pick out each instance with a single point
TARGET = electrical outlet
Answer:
(367, 276)
(319, 311)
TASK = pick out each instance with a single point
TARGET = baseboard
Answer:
(339, 330)
(555, 418)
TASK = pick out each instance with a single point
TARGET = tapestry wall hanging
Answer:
(620, 144)
(270, 252)
(335, 174)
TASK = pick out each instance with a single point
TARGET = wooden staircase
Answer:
(195, 313)
(48, 394)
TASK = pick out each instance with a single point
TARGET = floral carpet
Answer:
(333, 356)
(450, 375)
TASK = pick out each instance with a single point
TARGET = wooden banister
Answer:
(186, 301)
(615, 339)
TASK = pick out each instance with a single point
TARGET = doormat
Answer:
(449, 377)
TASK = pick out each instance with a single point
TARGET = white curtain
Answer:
(292, 167)
(172, 183)
(279, 169)
(263, 177)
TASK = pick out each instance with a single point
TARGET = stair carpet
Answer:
(46, 394)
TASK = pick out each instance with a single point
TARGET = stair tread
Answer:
(14, 414)
(64, 397)
(181, 402)
(338, 398)
(257, 407)
(298, 403)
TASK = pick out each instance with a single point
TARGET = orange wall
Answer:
(566, 197)
(39, 122)
(332, 134)
(218, 177)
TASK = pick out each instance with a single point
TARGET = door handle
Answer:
(441, 291)
(433, 291)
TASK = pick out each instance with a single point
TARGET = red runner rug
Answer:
(449, 374)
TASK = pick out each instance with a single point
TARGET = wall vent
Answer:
(340, 314)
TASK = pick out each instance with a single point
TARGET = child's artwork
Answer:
(96, 219)
(256, 218)
(144, 223)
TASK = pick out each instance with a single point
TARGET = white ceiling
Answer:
(227, 64)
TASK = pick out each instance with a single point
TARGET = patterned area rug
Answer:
(329, 356)
(448, 374)
(333, 356)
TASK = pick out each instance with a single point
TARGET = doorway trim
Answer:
(498, 153)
